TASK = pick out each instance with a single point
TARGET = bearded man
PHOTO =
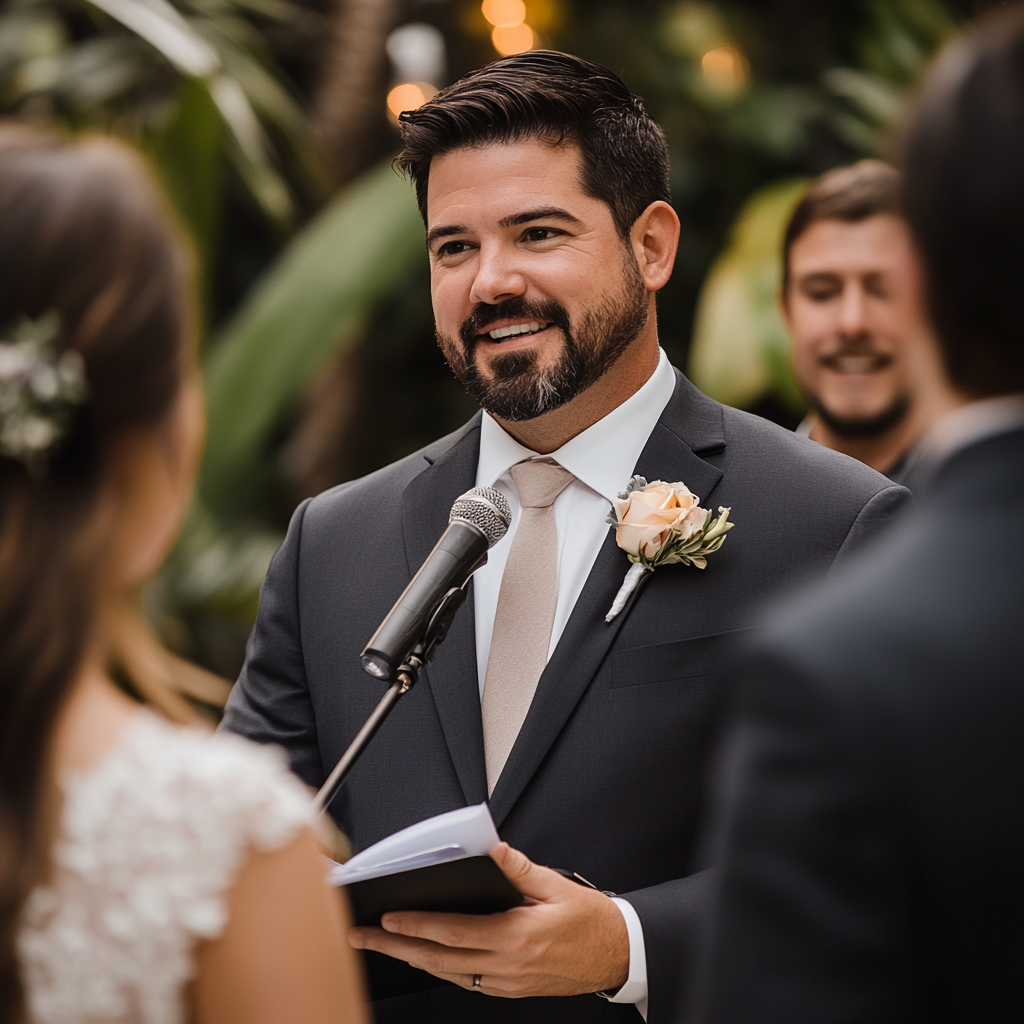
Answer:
(853, 298)
(544, 188)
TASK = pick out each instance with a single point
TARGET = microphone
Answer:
(478, 520)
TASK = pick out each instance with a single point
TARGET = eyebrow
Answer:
(449, 229)
(543, 213)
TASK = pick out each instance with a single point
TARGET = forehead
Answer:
(475, 185)
(881, 242)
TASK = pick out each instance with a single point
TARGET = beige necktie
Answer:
(525, 614)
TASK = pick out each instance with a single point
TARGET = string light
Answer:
(408, 96)
(508, 41)
(725, 68)
(504, 13)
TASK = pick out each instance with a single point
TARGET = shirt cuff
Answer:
(635, 989)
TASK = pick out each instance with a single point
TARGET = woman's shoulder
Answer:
(205, 783)
(177, 809)
(151, 841)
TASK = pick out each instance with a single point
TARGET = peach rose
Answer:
(648, 518)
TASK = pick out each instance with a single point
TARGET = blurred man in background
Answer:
(863, 349)
(873, 836)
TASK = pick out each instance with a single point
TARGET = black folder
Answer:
(470, 885)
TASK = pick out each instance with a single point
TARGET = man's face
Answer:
(855, 312)
(535, 293)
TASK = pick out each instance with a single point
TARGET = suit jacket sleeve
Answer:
(807, 922)
(880, 510)
(675, 914)
(270, 703)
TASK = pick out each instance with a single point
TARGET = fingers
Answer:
(530, 879)
(427, 956)
(463, 931)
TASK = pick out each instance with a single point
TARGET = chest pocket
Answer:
(677, 660)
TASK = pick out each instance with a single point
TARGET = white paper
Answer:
(466, 832)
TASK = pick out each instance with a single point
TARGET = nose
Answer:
(497, 278)
(853, 310)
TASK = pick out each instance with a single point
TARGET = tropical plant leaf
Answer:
(740, 349)
(310, 304)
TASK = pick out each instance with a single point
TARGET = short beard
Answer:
(864, 428)
(519, 390)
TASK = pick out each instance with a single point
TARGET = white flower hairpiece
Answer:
(658, 524)
(39, 391)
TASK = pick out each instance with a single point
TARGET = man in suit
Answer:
(863, 348)
(544, 188)
(873, 832)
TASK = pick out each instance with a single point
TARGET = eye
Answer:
(453, 249)
(540, 234)
(821, 287)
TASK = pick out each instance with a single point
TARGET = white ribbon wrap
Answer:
(629, 584)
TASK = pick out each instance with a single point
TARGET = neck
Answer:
(94, 715)
(880, 453)
(632, 370)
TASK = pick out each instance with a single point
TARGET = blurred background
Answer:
(271, 125)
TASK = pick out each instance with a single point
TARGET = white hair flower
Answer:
(39, 391)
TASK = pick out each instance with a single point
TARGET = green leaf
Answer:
(188, 156)
(308, 305)
(740, 349)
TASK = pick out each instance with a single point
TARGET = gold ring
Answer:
(476, 980)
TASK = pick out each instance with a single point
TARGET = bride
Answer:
(148, 873)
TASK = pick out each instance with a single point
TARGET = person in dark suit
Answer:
(544, 188)
(872, 830)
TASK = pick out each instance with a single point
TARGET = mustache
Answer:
(516, 308)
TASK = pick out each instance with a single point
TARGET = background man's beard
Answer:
(863, 428)
(518, 389)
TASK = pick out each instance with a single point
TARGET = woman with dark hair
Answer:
(148, 873)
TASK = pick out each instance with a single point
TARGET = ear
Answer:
(655, 238)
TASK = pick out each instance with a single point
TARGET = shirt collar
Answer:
(970, 424)
(604, 455)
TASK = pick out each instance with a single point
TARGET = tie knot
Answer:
(539, 481)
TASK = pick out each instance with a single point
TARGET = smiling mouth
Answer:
(514, 330)
(869, 362)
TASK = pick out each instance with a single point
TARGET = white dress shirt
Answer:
(602, 458)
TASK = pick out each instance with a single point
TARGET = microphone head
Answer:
(486, 509)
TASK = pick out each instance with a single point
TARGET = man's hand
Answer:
(566, 940)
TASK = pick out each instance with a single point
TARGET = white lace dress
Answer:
(151, 841)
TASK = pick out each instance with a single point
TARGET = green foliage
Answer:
(310, 304)
(189, 83)
(901, 38)
(740, 347)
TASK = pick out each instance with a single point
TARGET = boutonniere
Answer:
(658, 524)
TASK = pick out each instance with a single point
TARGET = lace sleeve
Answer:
(151, 843)
(235, 796)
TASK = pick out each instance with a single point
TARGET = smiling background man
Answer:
(544, 187)
(863, 350)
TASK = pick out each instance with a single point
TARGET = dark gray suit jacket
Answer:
(606, 777)
(873, 824)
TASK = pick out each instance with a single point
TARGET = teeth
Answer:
(857, 364)
(507, 332)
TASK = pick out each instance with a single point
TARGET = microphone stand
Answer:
(406, 678)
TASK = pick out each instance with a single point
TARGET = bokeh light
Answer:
(508, 41)
(725, 69)
(504, 13)
(408, 96)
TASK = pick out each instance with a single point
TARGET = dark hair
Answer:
(963, 162)
(557, 98)
(852, 193)
(82, 236)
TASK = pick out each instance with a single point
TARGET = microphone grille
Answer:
(485, 508)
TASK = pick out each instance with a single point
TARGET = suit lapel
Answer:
(452, 678)
(587, 637)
